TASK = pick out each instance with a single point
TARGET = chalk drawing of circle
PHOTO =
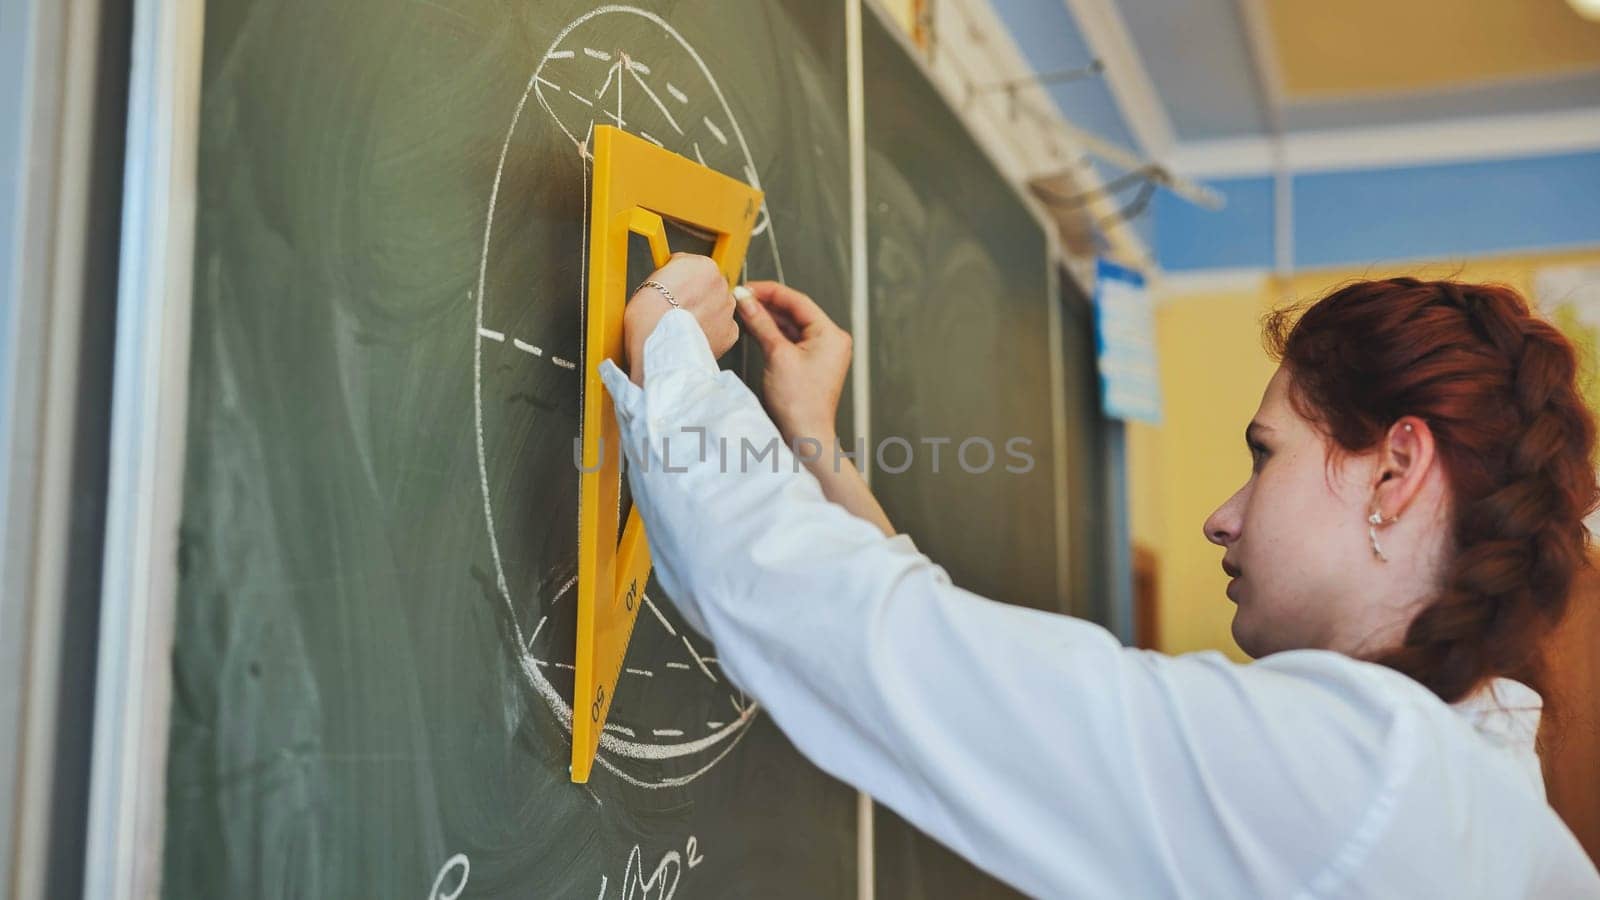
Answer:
(585, 78)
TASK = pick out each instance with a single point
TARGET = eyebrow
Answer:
(1254, 428)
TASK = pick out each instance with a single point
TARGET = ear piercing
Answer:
(1373, 521)
(1377, 519)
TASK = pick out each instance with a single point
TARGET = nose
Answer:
(1223, 525)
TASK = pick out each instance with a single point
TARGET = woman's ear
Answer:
(1405, 459)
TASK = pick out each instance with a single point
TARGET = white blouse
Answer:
(1037, 746)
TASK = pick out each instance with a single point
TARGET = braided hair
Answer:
(1498, 386)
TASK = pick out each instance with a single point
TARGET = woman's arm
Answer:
(808, 357)
(842, 483)
(1033, 744)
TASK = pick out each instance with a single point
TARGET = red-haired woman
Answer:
(1407, 536)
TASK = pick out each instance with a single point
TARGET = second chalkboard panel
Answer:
(960, 350)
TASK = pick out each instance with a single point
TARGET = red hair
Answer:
(1498, 387)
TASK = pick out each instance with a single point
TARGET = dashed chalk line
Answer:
(532, 350)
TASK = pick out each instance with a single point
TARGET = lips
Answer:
(1232, 569)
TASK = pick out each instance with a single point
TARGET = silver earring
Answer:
(1373, 521)
(1377, 519)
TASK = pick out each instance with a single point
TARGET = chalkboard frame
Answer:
(62, 117)
(133, 683)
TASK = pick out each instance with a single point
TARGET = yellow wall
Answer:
(1213, 370)
(1369, 47)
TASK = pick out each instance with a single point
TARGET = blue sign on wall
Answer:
(1124, 318)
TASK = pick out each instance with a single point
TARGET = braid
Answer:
(1479, 367)
(1518, 543)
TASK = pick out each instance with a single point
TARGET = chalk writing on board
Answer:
(659, 883)
(591, 73)
(446, 887)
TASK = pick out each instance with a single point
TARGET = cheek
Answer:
(1292, 561)
(1294, 522)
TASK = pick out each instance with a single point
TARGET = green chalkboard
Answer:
(960, 342)
(1092, 469)
(380, 508)
(960, 349)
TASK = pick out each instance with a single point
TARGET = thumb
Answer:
(759, 321)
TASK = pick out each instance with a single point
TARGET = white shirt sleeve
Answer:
(1034, 744)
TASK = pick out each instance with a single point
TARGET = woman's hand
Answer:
(808, 357)
(698, 286)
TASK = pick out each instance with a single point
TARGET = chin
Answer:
(1248, 639)
(1258, 639)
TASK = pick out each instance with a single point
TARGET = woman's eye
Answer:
(1258, 456)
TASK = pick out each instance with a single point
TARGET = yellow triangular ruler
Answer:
(637, 186)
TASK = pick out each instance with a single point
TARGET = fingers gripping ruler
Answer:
(638, 186)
